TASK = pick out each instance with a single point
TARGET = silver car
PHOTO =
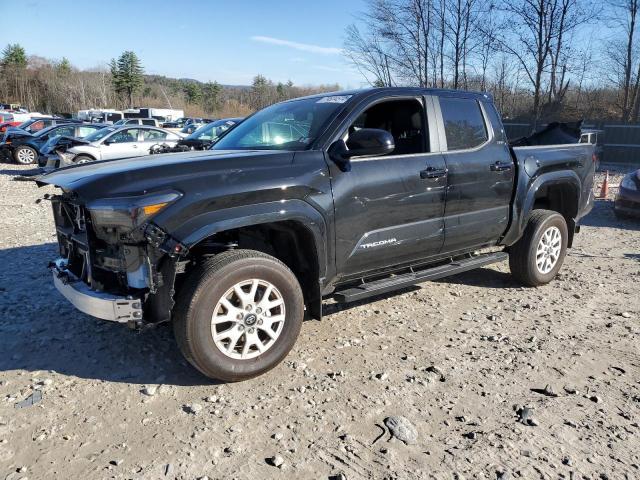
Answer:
(111, 143)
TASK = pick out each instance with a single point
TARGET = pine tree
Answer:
(192, 92)
(211, 96)
(64, 67)
(14, 56)
(127, 75)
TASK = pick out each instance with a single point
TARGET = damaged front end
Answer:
(115, 263)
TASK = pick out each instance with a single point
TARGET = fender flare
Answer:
(523, 202)
(198, 228)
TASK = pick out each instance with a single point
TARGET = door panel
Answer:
(480, 180)
(389, 209)
(123, 144)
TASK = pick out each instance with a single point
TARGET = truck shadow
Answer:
(41, 331)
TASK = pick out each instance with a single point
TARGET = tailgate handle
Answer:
(432, 172)
(501, 166)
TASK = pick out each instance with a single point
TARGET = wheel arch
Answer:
(295, 233)
(556, 191)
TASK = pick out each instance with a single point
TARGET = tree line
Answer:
(541, 59)
(56, 86)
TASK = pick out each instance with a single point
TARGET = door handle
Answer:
(501, 166)
(134, 146)
(432, 172)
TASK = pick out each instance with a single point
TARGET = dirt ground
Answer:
(457, 358)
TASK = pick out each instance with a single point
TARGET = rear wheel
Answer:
(25, 155)
(238, 315)
(537, 257)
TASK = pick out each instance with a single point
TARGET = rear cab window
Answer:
(464, 123)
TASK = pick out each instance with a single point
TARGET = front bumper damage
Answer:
(126, 278)
(102, 305)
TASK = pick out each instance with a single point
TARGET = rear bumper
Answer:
(97, 304)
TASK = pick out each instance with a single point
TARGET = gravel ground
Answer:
(492, 380)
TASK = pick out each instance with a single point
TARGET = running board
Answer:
(396, 282)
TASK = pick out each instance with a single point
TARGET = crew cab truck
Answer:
(348, 195)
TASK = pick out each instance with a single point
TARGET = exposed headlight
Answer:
(127, 213)
(628, 182)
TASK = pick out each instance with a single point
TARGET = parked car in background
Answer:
(627, 203)
(24, 147)
(114, 142)
(48, 157)
(151, 122)
(179, 123)
(36, 124)
(194, 124)
(208, 134)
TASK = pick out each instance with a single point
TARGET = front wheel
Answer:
(238, 315)
(25, 155)
(536, 258)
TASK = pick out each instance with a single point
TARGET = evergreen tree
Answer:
(14, 56)
(192, 92)
(64, 67)
(211, 96)
(127, 75)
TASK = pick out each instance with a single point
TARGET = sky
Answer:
(229, 41)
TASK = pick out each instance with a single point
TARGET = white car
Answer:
(111, 143)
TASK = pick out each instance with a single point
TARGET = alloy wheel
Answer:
(248, 319)
(548, 250)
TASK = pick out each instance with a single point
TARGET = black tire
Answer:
(204, 288)
(25, 155)
(82, 159)
(522, 255)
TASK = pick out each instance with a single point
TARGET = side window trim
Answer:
(443, 137)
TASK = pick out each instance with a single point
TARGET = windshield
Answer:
(290, 125)
(99, 134)
(120, 122)
(211, 131)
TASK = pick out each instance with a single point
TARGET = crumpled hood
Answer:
(112, 178)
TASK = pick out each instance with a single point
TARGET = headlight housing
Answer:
(629, 182)
(128, 213)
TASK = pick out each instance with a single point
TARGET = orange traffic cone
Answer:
(604, 191)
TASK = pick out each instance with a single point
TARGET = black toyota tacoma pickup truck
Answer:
(345, 195)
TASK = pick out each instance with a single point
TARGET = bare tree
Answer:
(396, 46)
(369, 57)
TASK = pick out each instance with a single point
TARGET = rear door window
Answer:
(153, 135)
(129, 135)
(464, 124)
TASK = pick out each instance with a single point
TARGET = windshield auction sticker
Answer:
(334, 99)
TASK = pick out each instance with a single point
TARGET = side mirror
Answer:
(107, 142)
(366, 142)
